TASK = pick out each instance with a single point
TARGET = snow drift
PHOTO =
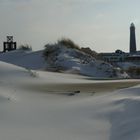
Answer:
(40, 114)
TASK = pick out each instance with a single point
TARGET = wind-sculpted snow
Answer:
(125, 120)
(34, 108)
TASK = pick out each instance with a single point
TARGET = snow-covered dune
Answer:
(30, 111)
(65, 58)
(60, 58)
(26, 59)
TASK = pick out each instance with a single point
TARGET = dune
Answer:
(27, 111)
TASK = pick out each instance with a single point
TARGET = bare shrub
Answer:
(25, 47)
(89, 51)
(68, 43)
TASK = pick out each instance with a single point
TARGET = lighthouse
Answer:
(132, 39)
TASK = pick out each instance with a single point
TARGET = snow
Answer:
(32, 107)
(61, 59)
(68, 59)
(26, 59)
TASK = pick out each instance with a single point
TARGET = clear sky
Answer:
(102, 25)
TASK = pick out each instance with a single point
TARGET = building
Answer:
(117, 56)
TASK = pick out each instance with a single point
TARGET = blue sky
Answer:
(102, 25)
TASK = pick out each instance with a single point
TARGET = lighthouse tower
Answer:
(132, 39)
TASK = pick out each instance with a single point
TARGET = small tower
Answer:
(9, 45)
(132, 39)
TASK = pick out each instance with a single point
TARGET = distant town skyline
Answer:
(102, 25)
